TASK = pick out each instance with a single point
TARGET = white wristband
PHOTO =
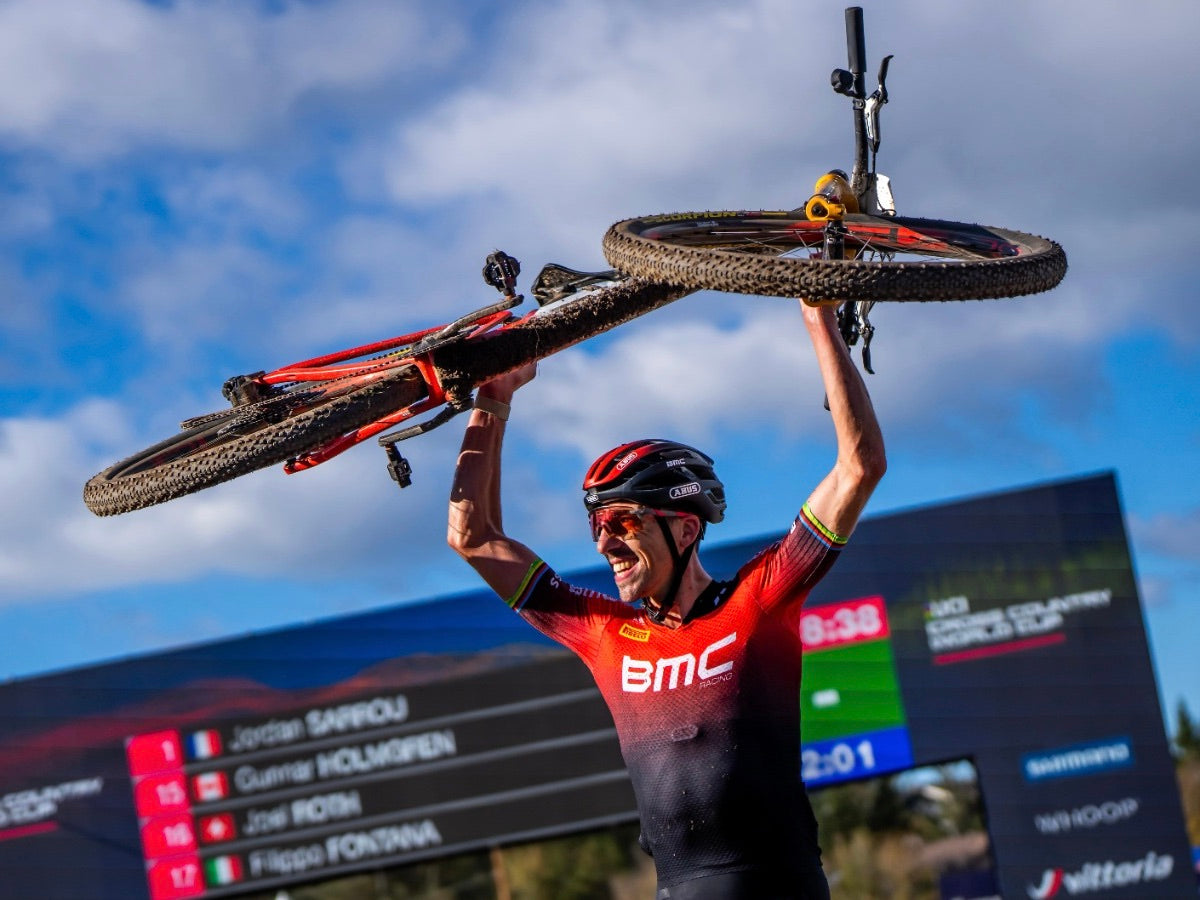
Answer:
(496, 408)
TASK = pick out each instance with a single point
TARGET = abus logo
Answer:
(640, 675)
(685, 490)
(625, 460)
(1103, 876)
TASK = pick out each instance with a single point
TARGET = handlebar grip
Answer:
(855, 42)
(856, 48)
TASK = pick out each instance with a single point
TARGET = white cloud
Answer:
(674, 377)
(1174, 535)
(314, 523)
(344, 521)
(89, 80)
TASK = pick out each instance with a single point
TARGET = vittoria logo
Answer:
(685, 490)
(634, 634)
(1102, 876)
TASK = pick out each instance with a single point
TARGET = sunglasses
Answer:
(624, 522)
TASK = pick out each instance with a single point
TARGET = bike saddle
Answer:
(555, 282)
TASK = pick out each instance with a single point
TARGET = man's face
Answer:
(635, 548)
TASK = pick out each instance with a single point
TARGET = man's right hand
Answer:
(502, 387)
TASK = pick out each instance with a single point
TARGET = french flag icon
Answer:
(204, 744)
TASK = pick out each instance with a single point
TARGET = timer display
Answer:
(852, 717)
(828, 762)
(844, 623)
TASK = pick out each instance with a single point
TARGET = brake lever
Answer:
(854, 324)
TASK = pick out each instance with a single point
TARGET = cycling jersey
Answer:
(707, 714)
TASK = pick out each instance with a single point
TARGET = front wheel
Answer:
(222, 447)
(783, 254)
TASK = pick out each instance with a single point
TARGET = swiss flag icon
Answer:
(214, 829)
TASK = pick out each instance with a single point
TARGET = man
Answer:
(702, 677)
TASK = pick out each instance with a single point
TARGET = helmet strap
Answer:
(680, 561)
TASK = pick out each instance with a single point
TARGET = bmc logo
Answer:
(641, 675)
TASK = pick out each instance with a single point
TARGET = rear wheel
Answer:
(782, 254)
(224, 447)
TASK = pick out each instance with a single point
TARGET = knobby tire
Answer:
(199, 458)
(741, 252)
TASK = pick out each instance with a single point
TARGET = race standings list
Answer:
(375, 779)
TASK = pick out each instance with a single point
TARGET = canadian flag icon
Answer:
(214, 829)
(210, 786)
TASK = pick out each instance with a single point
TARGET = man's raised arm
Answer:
(476, 530)
(840, 498)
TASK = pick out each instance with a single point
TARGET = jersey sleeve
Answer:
(788, 570)
(571, 615)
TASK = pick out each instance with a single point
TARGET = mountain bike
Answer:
(846, 246)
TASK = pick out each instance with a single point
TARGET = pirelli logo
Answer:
(635, 634)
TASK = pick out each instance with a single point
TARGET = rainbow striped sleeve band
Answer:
(521, 596)
(813, 524)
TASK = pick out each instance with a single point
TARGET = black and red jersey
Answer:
(708, 714)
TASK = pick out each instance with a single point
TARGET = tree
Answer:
(1187, 738)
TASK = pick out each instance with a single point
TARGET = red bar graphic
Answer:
(1045, 640)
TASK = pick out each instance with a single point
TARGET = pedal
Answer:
(398, 467)
(501, 271)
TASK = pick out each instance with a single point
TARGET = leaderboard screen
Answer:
(1003, 630)
(223, 805)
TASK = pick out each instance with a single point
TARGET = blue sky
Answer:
(195, 189)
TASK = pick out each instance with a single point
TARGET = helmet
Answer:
(658, 474)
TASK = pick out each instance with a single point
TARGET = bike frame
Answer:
(358, 366)
(355, 375)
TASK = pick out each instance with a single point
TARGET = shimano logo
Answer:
(1102, 876)
(684, 490)
(1081, 759)
(641, 675)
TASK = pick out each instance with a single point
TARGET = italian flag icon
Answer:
(223, 870)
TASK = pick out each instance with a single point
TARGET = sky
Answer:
(191, 189)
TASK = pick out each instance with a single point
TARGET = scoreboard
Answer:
(228, 805)
(1005, 630)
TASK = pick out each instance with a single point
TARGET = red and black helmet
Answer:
(657, 474)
